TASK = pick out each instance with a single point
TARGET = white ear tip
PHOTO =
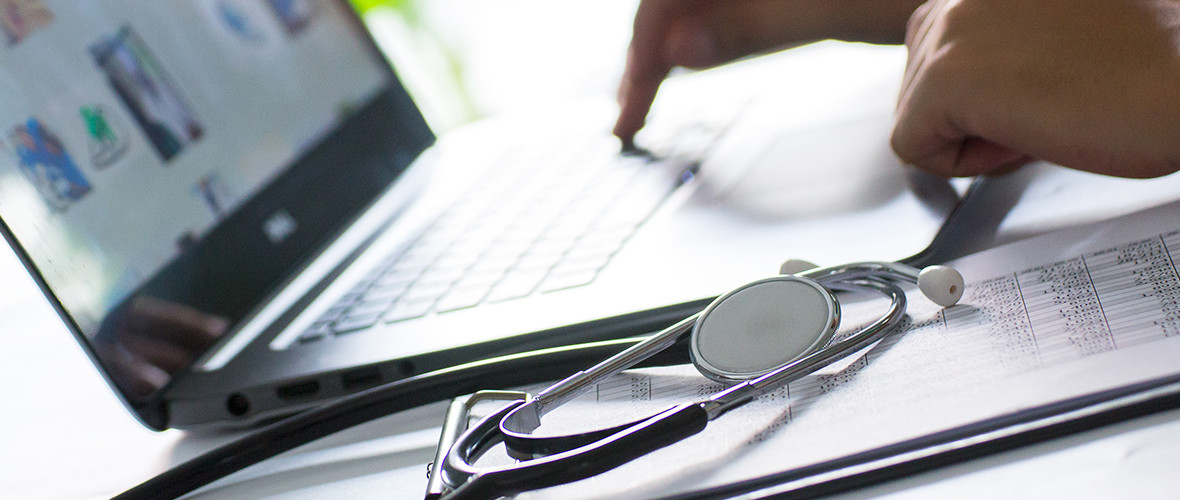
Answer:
(795, 266)
(941, 284)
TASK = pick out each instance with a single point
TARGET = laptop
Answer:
(240, 212)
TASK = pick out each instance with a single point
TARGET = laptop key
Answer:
(537, 261)
(516, 285)
(426, 292)
(309, 338)
(408, 309)
(375, 305)
(587, 263)
(354, 322)
(567, 281)
(389, 292)
(316, 331)
(462, 298)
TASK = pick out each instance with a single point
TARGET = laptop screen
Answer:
(153, 153)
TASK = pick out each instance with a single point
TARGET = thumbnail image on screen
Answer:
(294, 14)
(139, 80)
(19, 18)
(106, 140)
(44, 161)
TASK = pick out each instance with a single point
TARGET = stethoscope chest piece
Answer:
(762, 326)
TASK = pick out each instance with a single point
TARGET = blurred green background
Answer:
(467, 59)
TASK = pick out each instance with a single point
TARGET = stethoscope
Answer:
(796, 312)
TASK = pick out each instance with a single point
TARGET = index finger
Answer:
(646, 66)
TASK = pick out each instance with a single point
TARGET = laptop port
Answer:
(299, 390)
(237, 405)
(406, 368)
(361, 378)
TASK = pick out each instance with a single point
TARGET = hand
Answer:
(704, 33)
(1089, 84)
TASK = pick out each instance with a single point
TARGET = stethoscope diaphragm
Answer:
(762, 326)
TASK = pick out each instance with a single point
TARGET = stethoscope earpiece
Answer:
(941, 284)
(796, 266)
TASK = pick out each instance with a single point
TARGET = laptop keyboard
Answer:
(530, 227)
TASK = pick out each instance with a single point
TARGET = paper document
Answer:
(1042, 320)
